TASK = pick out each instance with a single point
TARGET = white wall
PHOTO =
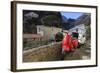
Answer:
(5, 37)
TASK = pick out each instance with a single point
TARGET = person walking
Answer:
(66, 43)
(75, 36)
(75, 33)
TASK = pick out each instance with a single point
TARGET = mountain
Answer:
(64, 19)
(83, 19)
(67, 23)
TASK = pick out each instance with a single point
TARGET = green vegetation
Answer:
(58, 37)
(51, 20)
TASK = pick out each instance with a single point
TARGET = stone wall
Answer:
(51, 52)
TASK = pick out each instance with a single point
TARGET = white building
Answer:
(47, 31)
(82, 32)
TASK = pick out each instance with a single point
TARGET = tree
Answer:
(58, 37)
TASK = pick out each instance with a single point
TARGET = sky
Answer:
(73, 15)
